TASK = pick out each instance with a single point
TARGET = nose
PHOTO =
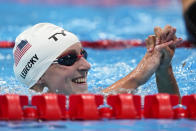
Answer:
(84, 65)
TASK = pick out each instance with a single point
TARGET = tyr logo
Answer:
(54, 36)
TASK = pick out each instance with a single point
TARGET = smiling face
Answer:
(68, 79)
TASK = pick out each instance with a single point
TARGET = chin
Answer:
(79, 88)
(81, 91)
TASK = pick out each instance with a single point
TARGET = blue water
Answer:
(112, 125)
(108, 66)
(91, 23)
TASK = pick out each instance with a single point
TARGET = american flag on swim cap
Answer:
(21, 48)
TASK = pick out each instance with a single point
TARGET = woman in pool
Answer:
(46, 55)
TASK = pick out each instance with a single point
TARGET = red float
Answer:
(190, 103)
(180, 113)
(30, 113)
(160, 106)
(84, 106)
(106, 113)
(11, 106)
(50, 106)
(125, 106)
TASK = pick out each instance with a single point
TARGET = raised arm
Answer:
(166, 82)
(144, 70)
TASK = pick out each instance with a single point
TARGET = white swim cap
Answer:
(36, 48)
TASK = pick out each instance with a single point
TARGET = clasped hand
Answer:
(162, 45)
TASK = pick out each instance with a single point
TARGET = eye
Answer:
(84, 53)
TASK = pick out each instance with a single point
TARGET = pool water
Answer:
(107, 125)
(97, 23)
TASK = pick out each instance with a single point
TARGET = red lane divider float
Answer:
(160, 106)
(190, 103)
(50, 106)
(84, 106)
(90, 107)
(106, 44)
(125, 106)
(11, 106)
(30, 113)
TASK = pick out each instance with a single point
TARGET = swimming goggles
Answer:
(71, 58)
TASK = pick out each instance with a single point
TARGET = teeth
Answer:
(80, 80)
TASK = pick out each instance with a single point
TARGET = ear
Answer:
(39, 86)
(41, 80)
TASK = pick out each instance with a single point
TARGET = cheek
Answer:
(59, 77)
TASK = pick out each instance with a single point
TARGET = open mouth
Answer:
(80, 80)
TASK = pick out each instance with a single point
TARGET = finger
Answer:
(170, 43)
(167, 27)
(171, 35)
(158, 31)
(158, 41)
(165, 44)
(152, 41)
(166, 31)
(147, 44)
(174, 30)
(178, 41)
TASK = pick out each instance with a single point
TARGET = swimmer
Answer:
(189, 8)
(46, 55)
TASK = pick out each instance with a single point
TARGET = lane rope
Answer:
(106, 44)
(76, 107)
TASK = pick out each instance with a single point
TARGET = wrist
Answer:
(163, 70)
